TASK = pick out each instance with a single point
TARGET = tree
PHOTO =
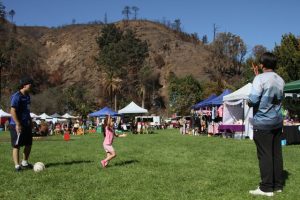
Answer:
(120, 58)
(288, 54)
(112, 86)
(257, 51)
(12, 13)
(227, 56)
(183, 92)
(126, 12)
(3, 63)
(2, 11)
(75, 99)
(135, 11)
(177, 25)
(144, 77)
(204, 39)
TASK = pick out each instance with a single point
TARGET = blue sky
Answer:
(255, 21)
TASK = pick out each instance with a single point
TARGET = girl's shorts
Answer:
(108, 148)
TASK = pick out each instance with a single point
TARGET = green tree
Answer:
(111, 58)
(112, 86)
(183, 93)
(144, 82)
(120, 59)
(75, 99)
(288, 54)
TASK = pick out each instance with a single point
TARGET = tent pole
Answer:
(243, 120)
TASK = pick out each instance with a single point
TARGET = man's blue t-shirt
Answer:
(21, 103)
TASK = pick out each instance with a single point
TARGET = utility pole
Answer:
(215, 30)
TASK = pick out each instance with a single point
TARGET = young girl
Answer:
(108, 140)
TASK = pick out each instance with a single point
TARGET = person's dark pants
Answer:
(269, 153)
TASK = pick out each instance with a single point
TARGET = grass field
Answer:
(164, 165)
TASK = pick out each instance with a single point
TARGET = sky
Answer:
(257, 22)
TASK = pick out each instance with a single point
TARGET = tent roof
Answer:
(132, 108)
(32, 115)
(44, 116)
(68, 116)
(292, 86)
(242, 93)
(102, 112)
(4, 114)
(55, 115)
(199, 104)
(218, 100)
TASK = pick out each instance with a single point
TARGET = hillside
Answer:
(68, 53)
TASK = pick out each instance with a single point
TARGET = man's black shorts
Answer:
(25, 138)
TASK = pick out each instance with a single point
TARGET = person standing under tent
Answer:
(266, 97)
(21, 124)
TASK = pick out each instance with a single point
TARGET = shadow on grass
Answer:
(285, 175)
(68, 163)
(126, 162)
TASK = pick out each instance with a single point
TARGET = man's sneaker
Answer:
(18, 169)
(28, 166)
(259, 192)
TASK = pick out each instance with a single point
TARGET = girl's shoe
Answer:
(103, 163)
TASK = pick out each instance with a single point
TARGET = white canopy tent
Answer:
(68, 116)
(45, 116)
(32, 115)
(132, 108)
(236, 110)
(4, 114)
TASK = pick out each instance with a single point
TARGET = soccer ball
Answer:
(39, 166)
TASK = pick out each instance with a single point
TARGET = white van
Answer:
(154, 120)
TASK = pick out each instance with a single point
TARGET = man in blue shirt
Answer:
(265, 98)
(21, 124)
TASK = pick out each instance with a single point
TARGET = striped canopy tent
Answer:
(292, 87)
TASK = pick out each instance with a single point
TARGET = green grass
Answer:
(165, 165)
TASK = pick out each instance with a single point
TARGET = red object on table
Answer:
(67, 136)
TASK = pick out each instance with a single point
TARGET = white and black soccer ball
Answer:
(38, 166)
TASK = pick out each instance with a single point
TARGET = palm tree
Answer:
(12, 13)
(144, 77)
(112, 85)
(126, 12)
(135, 10)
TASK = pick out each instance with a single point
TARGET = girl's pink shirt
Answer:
(109, 136)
